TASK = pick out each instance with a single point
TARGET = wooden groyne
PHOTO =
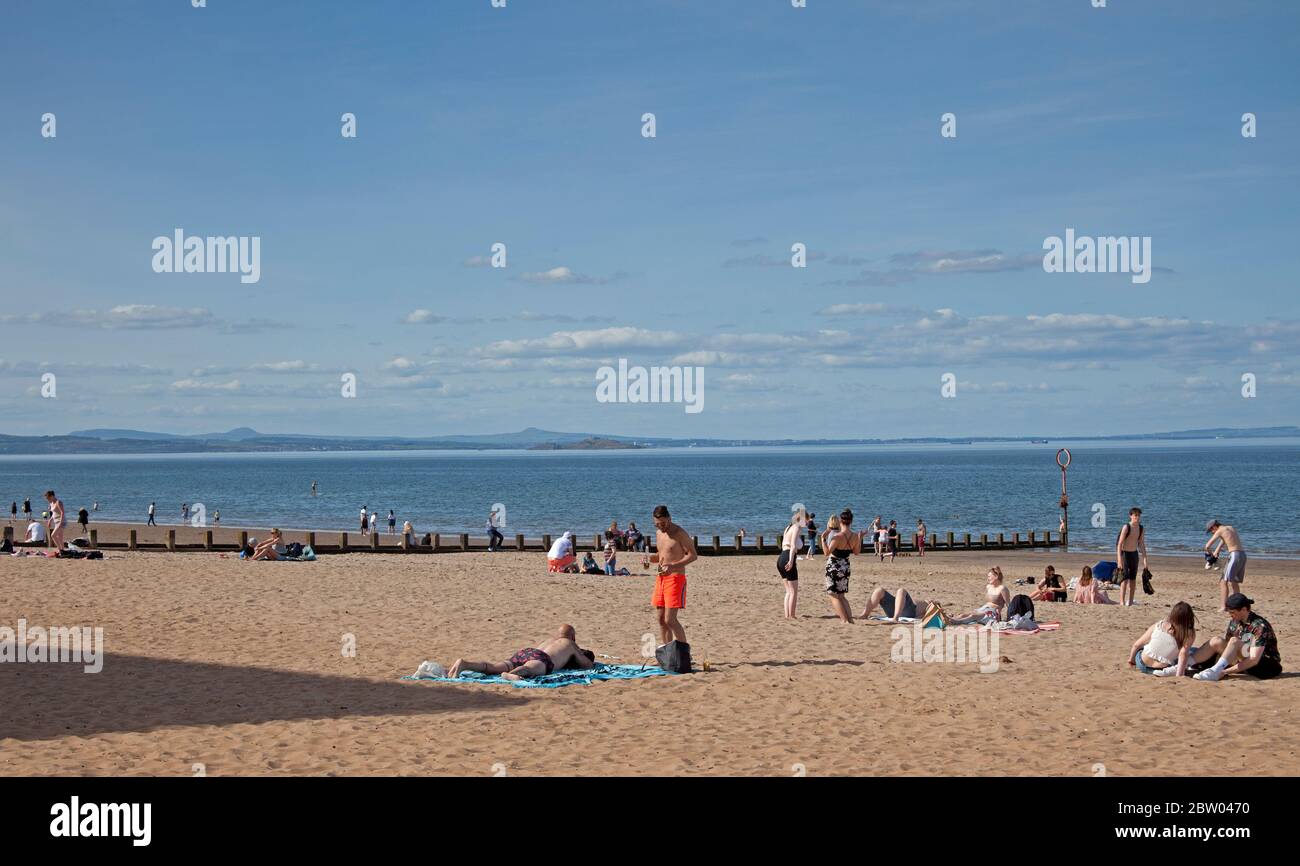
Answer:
(196, 539)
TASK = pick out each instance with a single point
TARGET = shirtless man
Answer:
(554, 653)
(57, 520)
(675, 552)
(1234, 572)
(1131, 553)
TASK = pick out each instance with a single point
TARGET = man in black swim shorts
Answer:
(556, 653)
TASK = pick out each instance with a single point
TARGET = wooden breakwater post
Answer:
(207, 539)
(9, 535)
(519, 541)
(343, 542)
(464, 541)
(740, 543)
(406, 542)
(759, 539)
(171, 540)
(94, 537)
(243, 539)
(130, 540)
(436, 543)
(374, 541)
(311, 540)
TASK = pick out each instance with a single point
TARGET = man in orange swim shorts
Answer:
(675, 551)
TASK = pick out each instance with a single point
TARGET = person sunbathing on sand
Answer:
(271, 549)
(556, 653)
(996, 605)
(893, 606)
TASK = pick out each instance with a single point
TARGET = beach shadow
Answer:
(139, 694)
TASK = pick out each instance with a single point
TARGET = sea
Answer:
(976, 488)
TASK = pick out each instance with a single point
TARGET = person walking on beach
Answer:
(57, 519)
(27, 509)
(839, 547)
(675, 552)
(1131, 552)
(374, 522)
(920, 537)
(882, 541)
(786, 563)
(153, 508)
(185, 512)
(874, 531)
(83, 520)
(365, 520)
(495, 538)
(812, 537)
(392, 522)
(94, 506)
(893, 540)
(216, 518)
(313, 488)
(1222, 535)
(13, 511)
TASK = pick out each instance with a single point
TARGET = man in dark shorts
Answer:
(1248, 647)
(894, 606)
(1131, 554)
(556, 653)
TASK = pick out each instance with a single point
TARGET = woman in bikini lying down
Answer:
(995, 606)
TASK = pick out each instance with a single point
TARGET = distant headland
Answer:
(247, 440)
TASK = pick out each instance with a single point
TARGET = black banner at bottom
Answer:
(237, 815)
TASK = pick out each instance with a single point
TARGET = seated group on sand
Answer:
(1248, 646)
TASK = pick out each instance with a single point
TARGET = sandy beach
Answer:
(238, 667)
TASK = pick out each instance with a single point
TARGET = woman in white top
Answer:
(1163, 648)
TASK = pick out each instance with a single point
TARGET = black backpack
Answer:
(674, 657)
(1021, 604)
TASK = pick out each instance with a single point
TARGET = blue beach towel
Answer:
(557, 679)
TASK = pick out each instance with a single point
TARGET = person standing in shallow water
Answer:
(839, 547)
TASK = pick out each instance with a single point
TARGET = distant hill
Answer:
(591, 443)
(245, 439)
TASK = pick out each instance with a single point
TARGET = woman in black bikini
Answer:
(787, 563)
(839, 547)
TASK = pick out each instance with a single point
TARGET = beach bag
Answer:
(1021, 605)
(934, 616)
(294, 549)
(674, 657)
(1146, 582)
(1105, 571)
(6, 546)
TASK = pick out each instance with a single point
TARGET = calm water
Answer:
(710, 491)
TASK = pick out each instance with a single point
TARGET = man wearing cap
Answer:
(1234, 572)
(1248, 647)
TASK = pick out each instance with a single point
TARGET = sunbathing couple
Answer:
(904, 606)
(555, 653)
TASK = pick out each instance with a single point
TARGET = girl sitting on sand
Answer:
(1050, 587)
(1164, 648)
(1090, 591)
(994, 609)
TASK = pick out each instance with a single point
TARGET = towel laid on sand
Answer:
(905, 620)
(1042, 627)
(558, 679)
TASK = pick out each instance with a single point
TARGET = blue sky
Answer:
(775, 125)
